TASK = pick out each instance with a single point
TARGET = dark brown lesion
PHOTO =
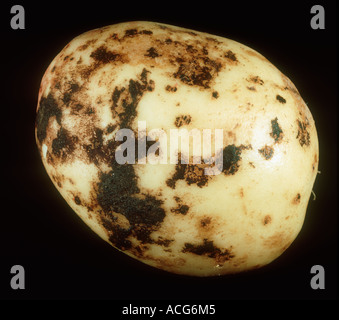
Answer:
(255, 80)
(170, 88)
(77, 200)
(130, 33)
(64, 144)
(96, 150)
(182, 120)
(117, 190)
(303, 135)
(100, 57)
(58, 179)
(296, 199)
(48, 108)
(197, 70)
(277, 133)
(73, 87)
(103, 55)
(126, 99)
(181, 209)
(118, 193)
(266, 152)
(208, 249)
(152, 53)
(267, 220)
(86, 45)
(205, 222)
(190, 173)
(215, 94)
(230, 55)
(232, 158)
(280, 99)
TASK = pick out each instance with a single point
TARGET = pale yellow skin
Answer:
(241, 219)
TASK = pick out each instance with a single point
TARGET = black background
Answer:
(62, 257)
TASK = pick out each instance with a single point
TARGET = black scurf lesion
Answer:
(190, 173)
(152, 53)
(208, 249)
(102, 55)
(182, 120)
(128, 98)
(67, 97)
(118, 193)
(277, 133)
(266, 152)
(232, 157)
(143, 152)
(64, 144)
(303, 135)
(181, 209)
(231, 56)
(199, 71)
(48, 108)
(96, 150)
(280, 99)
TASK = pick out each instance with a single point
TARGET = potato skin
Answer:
(172, 216)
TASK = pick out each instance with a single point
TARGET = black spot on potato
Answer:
(118, 192)
(192, 174)
(280, 99)
(205, 222)
(231, 56)
(116, 234)
(110, 128)
(170, 88)
(256, 80)
(131, 32)
(267, 219)
(96, 149)
(232, 157)
(296, 199)
(277, 133)
(127, 98)
(102, 55)
(208, 249)
(190, 48)
(197, 71)
(148, 32)
(182, 120)
(64, 144)
(181, 209)
(152, 53)
(48, 108)
(77, 200)
(303, 135)
(164, 242)
(215, 94)
(73, 87)
(266, 152)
